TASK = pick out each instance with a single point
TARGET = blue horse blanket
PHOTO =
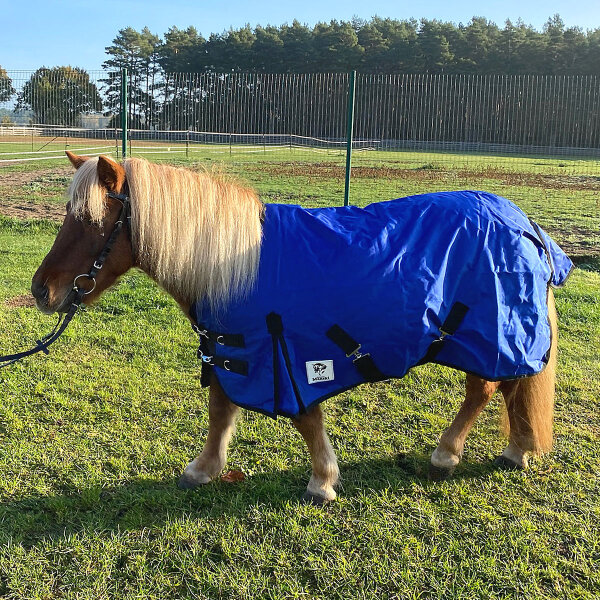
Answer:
(346, 295)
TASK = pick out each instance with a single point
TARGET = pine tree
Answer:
(138, 52)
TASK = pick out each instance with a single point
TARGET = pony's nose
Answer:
(39, 292)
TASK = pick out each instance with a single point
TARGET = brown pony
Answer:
(199, 236)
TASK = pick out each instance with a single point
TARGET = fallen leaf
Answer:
(233, 476)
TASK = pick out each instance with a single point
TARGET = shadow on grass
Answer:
(151, 503)
(588, 263)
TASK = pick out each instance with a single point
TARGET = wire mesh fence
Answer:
(543, 115)
(534, 139)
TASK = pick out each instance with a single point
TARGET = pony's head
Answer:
(91, 216)
(198, 235)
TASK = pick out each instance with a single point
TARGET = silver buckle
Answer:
(356, 354)
(204, 358)
(443, 334)
(202, 332)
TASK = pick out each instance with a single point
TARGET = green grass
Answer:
(562, 195)
(93, 437)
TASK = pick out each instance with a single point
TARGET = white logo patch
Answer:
(319, 370)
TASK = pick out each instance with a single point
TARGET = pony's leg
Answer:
(325, 470)
(221, 425)
(450, 448)
(530, 407)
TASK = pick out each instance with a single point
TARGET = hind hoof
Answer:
(439, 473)
(189, 482)
(508, 465)
(314, 499)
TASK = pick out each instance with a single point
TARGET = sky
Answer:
(56, 32)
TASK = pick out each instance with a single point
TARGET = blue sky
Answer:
(55, 32)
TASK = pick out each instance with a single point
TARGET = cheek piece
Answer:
(78, 293)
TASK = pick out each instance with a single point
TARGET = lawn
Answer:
(94, 436)
(561, 194)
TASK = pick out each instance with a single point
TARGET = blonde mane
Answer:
(198, 235)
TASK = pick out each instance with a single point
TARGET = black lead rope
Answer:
(80, 293)
(42, 345)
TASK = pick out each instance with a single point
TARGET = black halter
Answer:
(78, 292)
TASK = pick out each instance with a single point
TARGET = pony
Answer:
(199, 236)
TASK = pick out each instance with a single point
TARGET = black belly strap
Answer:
(451, 323)
(364, 363)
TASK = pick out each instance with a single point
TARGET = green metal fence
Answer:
(334, 137)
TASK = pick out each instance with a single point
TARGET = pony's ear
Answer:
(110, 174)
(76, 161)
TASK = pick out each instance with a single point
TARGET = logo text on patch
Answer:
(319, 370)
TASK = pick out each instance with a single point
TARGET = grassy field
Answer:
(94, 436)
(562, 195)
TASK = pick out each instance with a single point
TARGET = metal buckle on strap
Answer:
(204, 357)
(202, 332)
(355, 351)
(356, 354)
(443, 334)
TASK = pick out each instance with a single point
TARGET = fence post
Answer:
(349, 132)
(124, 113)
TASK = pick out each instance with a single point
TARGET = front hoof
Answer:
(502, 462)
(190, 481)
(439, 473)
(314, 499)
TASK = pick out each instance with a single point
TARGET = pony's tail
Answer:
(530, 401)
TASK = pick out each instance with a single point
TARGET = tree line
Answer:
(374, 46)
(256, 80)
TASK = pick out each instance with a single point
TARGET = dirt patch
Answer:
(23, 301)
(329, 171)
(23, 194)
(433, 173)
(575, 241)
(18, 178)
(19, 210)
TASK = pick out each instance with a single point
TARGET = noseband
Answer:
(79, 292)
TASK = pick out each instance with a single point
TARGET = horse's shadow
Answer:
(151, 503)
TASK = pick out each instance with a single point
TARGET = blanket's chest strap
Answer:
(210, 353)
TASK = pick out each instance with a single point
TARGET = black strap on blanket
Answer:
(449, 326)
(229, 364)
(364, 364)
(207, 353)
(275, 329)
(236, 340)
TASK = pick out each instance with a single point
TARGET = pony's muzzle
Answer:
(40, 292)
(49, 300)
